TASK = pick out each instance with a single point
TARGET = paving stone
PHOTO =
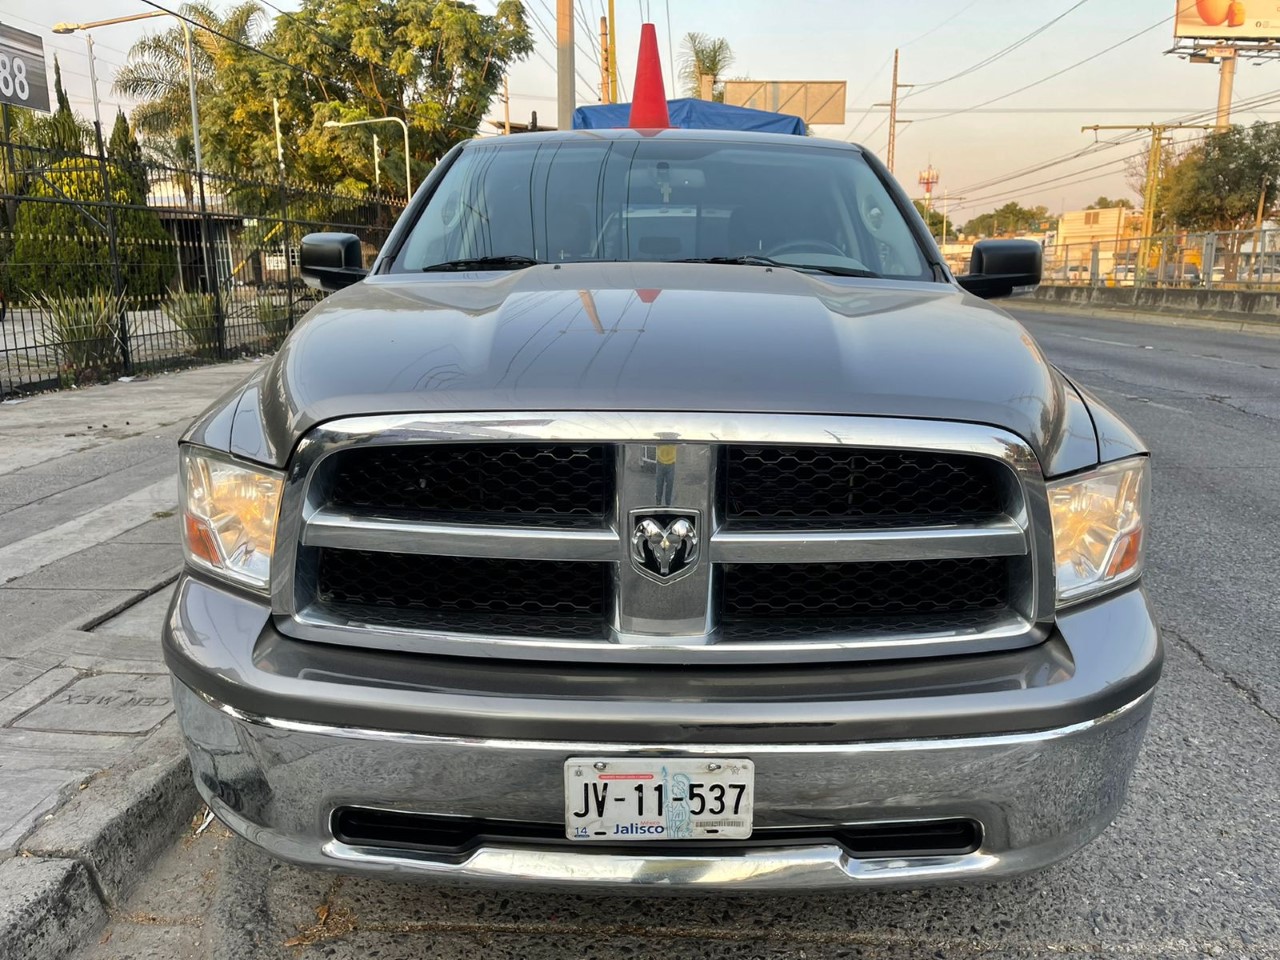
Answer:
(107, 566)
(79, 646)
(16, 673)
(27, 616)
(143, 619)
(35, 693)
(28, 796)
(43, 749)
(159, 530)
(110, 703)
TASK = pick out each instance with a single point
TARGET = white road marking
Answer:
(1114, 343)
(120, 516)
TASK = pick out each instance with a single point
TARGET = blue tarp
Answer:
(692, 115)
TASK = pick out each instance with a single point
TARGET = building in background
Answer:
(1095, 245)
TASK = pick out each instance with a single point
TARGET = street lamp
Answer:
(408, 184)
(65, 28)
(210, 263)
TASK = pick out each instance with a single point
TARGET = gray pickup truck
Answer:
(658, 511)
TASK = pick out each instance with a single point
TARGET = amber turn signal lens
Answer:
(200, 540)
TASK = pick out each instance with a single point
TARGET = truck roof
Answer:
(670, 133)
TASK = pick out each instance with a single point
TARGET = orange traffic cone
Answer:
(649, 96)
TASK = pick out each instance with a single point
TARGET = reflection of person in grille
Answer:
(666, 473)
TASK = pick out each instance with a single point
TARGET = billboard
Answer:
(813, 101)
(23, 81)
(1252, 20)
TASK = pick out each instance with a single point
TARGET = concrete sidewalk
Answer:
(93, 778)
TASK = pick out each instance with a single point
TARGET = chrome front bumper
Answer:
(1039, 796)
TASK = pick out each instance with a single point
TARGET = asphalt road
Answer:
(1191, 868)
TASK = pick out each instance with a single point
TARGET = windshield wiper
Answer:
(510, 261)
(759, 260)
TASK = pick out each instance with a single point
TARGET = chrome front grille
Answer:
(884, 589)
(557, 598)
(552, 484)
(816, 537)
(807, 487)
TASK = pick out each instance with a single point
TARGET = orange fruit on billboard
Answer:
(1213, 12)
(1235, 16)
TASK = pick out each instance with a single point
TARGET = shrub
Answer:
(195, 314)
(85, 331)
(60, 245)
(274, 318)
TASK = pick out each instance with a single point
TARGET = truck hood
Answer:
(655, 337)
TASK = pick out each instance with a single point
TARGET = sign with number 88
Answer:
(13, 78)
(22, 73)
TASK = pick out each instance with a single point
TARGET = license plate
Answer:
(663, 798)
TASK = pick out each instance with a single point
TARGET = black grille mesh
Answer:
(892, 589)
(564, 483)
(805, 486)
(465, 593)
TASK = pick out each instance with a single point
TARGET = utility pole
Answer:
(604, 61)
(1151, 187)
(506, 107)
(613, 55)
(1255, 269)
(1226, 85)
(377, 169)
(946, 211)
(894, 122)
(564, 64)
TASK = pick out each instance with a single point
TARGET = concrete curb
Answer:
(92, 851)
(48, 908)
(1168, 318)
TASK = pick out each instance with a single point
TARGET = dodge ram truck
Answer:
(658, 512)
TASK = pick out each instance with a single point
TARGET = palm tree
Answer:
(156, 73)
(704, 56)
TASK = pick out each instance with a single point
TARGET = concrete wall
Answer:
(1251, 305)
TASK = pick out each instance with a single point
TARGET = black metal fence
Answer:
(111, 269)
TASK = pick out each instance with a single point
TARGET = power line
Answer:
(999, 54)
(552, 41)
(1253, 102)
(1054, 75)
(1246, 105)
(938, 26)
(880, 69)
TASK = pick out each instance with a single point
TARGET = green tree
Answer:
(63, 248)
(1217, 184)
(125, 154)
(704, 56)
(156, 73)
(933, 219)
(66, 134)
(1011, 218)
(436, 64)
(1106, 203)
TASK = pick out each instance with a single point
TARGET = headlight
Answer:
(1098, 528)
(229, 517)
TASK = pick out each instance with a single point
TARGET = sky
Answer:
(977, 152)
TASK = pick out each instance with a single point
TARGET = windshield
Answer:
(662, 200)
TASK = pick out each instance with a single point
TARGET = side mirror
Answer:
(1003, 268)
(331, 261)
